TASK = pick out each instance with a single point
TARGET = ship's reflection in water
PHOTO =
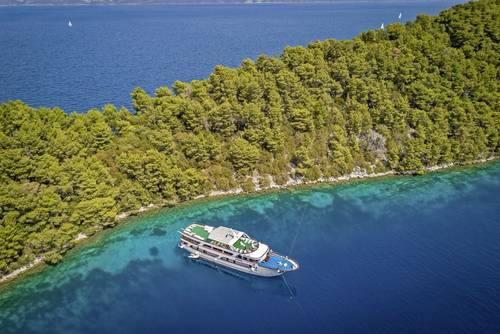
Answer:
(275, 286)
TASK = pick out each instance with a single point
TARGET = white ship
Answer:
(234, 249)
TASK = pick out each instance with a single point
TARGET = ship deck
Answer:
(200, 231)
(278, 263)
(243, 245)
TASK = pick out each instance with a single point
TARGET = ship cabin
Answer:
(226, 240)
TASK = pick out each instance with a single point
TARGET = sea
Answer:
(393, 255)
(110, 50)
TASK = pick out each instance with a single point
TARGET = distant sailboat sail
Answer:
(400, 16)
(70, 24)
(382, 26)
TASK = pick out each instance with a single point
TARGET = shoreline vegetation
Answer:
(214, 195)
(390, 101)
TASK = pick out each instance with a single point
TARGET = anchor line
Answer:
(292, 246)
(292, 296)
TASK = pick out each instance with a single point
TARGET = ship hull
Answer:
(257, 271)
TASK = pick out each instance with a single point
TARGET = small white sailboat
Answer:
(70, 24)
(382, 26)
(400, 16)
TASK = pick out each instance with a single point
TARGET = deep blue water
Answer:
(112, 49)
(398, 255)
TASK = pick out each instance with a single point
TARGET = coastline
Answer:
(357, 174)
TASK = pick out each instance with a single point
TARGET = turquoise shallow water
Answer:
(409, 254)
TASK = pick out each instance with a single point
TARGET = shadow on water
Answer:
(275, 286)
(153, 251)
(158, 232)
(271, 286)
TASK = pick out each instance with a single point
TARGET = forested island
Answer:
(401, 99)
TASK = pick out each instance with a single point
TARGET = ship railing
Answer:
(219, 255)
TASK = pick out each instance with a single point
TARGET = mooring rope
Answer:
(292, 296)
(292, 246)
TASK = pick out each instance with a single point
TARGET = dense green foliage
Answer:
(403, 98)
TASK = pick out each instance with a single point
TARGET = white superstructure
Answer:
(234, 249)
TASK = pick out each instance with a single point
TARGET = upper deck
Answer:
(198, 230)
(228, 238)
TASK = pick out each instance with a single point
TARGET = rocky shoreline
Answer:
(357, 173)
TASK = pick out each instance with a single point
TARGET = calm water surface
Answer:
(112, 49)
(399, 255)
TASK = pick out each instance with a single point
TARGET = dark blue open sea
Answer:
(112, 49)
(395, 255)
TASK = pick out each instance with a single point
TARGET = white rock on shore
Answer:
(22, 269)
